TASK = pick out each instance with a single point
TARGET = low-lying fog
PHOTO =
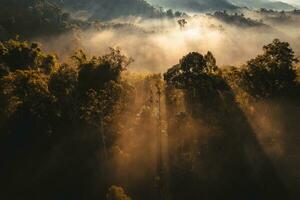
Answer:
(156, 45)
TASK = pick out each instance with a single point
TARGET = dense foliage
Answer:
(76, 130)
(116, 193)
(237, 20)
(203, 156)
(52, 109)
(279, 17)
(107, 9)
(272, 74)
(32, 18)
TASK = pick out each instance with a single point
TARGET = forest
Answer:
(105, 101)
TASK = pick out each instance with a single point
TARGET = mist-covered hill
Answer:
(205, 5)
(276, 5)
(36, 18)
(239, 20)
(31, 18)
(111, 9)
(195, 5)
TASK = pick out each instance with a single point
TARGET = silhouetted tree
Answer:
(94, 73)
(213, 123)
(18, 55)
(182, 23)
(271, 74)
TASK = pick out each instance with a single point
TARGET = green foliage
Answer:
(64, 109)
(116, 193)
(271, 74)
(63, 85)
(199, 76)
(27, 104)
(190, 68)
(100, 104)
(59, 121)
(212, 139)
(30, 18)
(26, 88)
(18, 55)
(94, 73)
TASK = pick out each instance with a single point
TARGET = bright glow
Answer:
(164, 43)
(192, 32)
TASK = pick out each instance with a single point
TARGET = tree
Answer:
(195, 71)
(68, 112)
(271, 74)
(22, 55)
(199, 163)
(182, 23)
(27, 105)
(26, 87)
(63, 85)
(116, 193)
(94, 73)
(170, 13)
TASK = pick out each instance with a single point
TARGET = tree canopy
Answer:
(22, 55)
(271, 74)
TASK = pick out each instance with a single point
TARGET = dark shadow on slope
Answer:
(214, 153)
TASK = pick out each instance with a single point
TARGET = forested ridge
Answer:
(61, 124)
(276, 5)
(196, 5)
(83, 125)
(49, 18)
(32, 18)
(107, 9)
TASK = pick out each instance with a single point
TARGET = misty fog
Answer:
(155, 45)
(134, 100)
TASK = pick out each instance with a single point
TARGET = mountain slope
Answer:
(31, 18)
(195, 5)
(111, 9)
(276, 5)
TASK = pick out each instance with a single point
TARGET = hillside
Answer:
(195, 5)
(238, 20)
(30, 18)
(107, 9)
(111, 9)
(263, 4)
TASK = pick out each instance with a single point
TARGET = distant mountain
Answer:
(29, 18)
(275, 5)
(195, 5)
(239, 20)
(111, 9)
